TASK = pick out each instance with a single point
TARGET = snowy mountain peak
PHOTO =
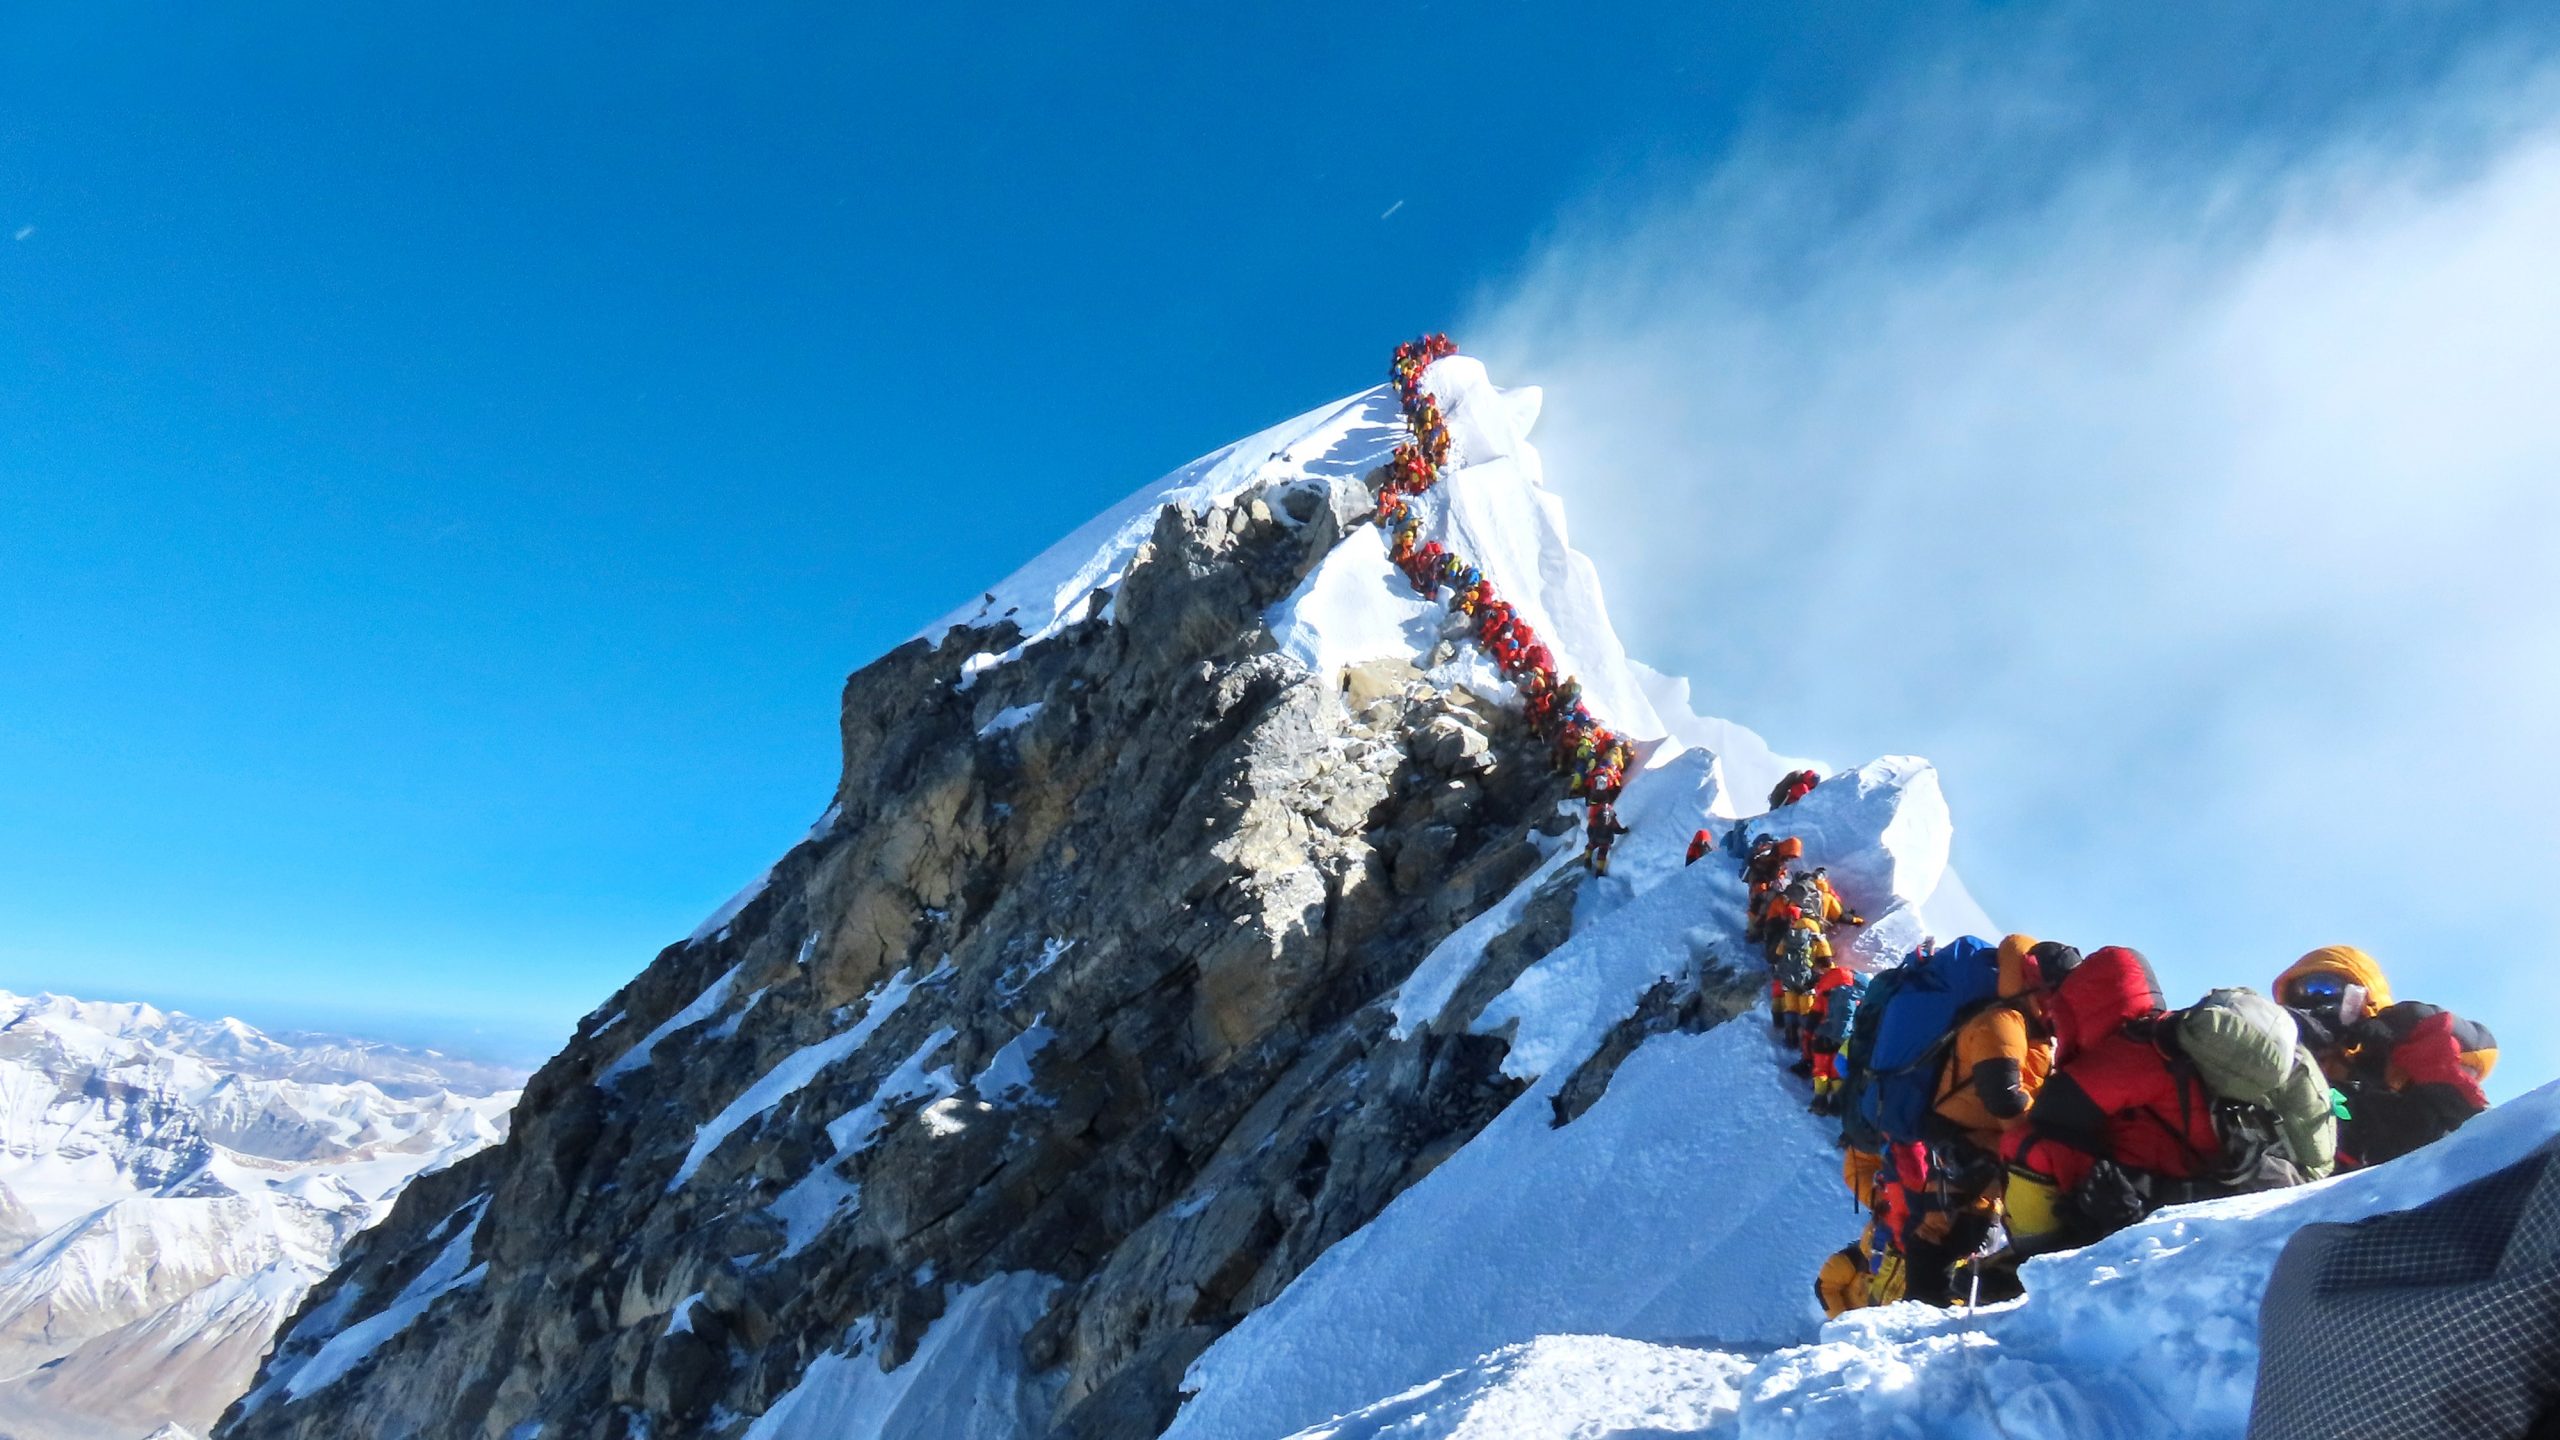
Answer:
(169, 1187)
(1195, 1017)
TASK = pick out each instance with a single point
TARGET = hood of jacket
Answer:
(2355, 966)
(2111, 986)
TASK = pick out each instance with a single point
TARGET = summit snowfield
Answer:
(1192, 1018)
(169, 1188)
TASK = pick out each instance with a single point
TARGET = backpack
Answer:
(1794, 960)
(1839, 1014)
(1938, 991)
(1875, 997)
(1805, 893)
(2271, 1101)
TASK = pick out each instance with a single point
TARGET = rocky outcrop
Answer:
(1081, 978)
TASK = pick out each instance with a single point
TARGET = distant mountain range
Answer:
(170, 1187)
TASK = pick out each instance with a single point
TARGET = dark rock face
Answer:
(1115, 964)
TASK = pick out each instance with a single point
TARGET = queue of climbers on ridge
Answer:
(2001, 1100)
(1592, 758)
(1996, 1101)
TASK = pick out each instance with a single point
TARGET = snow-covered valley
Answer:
(170, 1187)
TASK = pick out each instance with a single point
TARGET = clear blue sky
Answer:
(450, 456)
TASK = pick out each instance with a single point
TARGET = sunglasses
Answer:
(2318, 987)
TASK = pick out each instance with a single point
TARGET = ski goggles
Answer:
(2309, 990)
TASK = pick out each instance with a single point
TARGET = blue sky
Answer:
(449, 459)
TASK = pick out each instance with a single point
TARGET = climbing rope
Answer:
(1592, 758)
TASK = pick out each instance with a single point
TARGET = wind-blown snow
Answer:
(1012, 717)
(966, 1380)
(1007, 1076)
(1341, 441)
(718, 920)
(1557, 1387)
(449, 1271)
(1645, 1269)
(790, 1073)
(703, 1007)
(1693, 1201)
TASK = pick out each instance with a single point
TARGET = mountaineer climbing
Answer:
(1700, 845)
(2331, 989)
(1836, 992)
(1933, 1207)
(1796, 928)
(2000, 1056)
(2111, 1122)
(2148, 1108)
(2413, 1076)
(2407, 1073)
(1843, 1284)
(1792, 787)
(1764, 871)
(1996, 1061)
(1602, 830)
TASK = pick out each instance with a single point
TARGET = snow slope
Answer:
(2147, 1335)
(169, 1188)
(1697, 1166)
(1682, 1216)
(1693, 1201)
(1646, 1269)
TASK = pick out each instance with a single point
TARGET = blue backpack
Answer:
(1875, 997)
(1838, 1013)
(1932, 994)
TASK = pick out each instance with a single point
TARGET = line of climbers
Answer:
(1593, 758)
(2000, 1101)
(1997, 1101)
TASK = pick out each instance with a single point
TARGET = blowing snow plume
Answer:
(2189, 503)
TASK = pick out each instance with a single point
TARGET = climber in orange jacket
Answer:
(1763, 872)
(1946, 1192)
(1999, 1058)
(1700, 845)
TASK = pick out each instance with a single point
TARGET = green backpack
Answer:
(2249, 1054)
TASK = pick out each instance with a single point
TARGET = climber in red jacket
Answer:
(2412, 1074)
(2112, 1116)
(1795, 786)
